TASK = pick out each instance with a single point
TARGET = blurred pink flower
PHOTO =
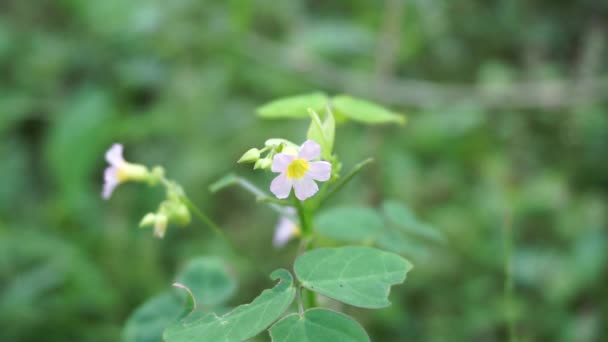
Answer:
(120, 171)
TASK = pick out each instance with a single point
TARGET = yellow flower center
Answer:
(297, 169)
(127, 171)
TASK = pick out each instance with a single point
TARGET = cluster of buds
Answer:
(270, 149)
(171, 210)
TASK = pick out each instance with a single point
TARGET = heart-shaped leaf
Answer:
(318, 325)
(293, 106)
(355, 275)
(240, 324)
(211, 284)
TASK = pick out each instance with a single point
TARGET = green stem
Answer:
(344, 180)
(205, 219)
(304, 219)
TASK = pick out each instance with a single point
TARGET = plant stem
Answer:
(305, 219)
(342, 181)
(218, 231)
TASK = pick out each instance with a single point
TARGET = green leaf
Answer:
(364, 111)
(240, 324)
(210, 283)
(318, 325)
(293, 106)
(323, 132)
(404, 218)
(359, 276)
(394, 241)
(209, 280)
(148, 321)
(355, 224)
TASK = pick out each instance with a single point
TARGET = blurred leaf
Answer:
(318, 325)
(211, 284)
(242, 323)
(359, 276)
(293, 106)
(364, 111)
(394, 241)
(146, 324)
(354, 224)
(404, 218)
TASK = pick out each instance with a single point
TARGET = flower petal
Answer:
(284, 231)
(310, 150)
(281, 162)
(114, 155)
(110, 181)
(305, 188)
(320, 170)
(281, 186)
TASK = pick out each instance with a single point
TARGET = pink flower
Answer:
(285, 230)
(299, 172)
(120, 171)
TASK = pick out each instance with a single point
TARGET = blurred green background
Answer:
(507, 132)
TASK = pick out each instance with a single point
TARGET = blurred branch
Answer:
(542, 94)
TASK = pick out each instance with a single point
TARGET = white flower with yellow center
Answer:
(120, 171)
(299, 172)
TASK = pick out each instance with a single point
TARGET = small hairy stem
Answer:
(218, 231)
(344, 180)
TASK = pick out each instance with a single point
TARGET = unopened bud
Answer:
(251, 156)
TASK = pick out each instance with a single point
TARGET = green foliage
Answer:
(359, 276)
(394, 227)
(350, 224)
(179, 82)
(293, 106)
(211, 284)
(318, 325)
(242, 323)
(364, 111)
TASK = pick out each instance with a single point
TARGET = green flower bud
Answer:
(148, 220)
(160, 226)
(181, 215)
(263, 164)
(251, 156)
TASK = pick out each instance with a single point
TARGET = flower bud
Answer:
(263, 164)
(181, 215)
(251, 156)
(148, 220)
(160, 226)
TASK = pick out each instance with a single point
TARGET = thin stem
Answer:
(206, 220)
(342, 181)
(218, 231)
